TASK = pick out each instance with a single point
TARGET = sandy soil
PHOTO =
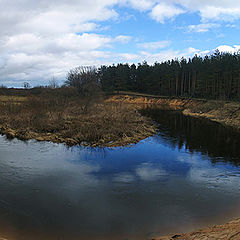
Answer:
(226, 113)
(228, 231)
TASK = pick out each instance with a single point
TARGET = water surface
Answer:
(187, 176)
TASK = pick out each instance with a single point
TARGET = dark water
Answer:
(185, 177)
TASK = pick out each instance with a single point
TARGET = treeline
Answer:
(216, 76)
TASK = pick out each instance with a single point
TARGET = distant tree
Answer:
(53, 83)
(26, 85)
(86, 81)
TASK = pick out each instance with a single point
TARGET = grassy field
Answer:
(72, 120)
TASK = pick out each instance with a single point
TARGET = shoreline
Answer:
(140, 127)
(227, 231)
(55, 138)
(226, 113)
(103, 125)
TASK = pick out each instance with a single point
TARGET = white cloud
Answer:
(142, 5)
(53, 17)
(129, 57)
(231, 25)
(205, 52)
(192, 50)
(163, 11)
(42, 38)
(226, 48)
(204, 27)
(39, 39)
(154, 45)
(224, 10)
(220, 13)
(160, 56)
(123, 39)
(168, 54)
(237, 47)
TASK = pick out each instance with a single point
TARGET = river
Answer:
(185, 177)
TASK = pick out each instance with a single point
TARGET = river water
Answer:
(185, 177)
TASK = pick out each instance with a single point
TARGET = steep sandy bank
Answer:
(227, 113)
(228, 231)
(173, 103)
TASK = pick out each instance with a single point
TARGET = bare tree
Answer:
(86, 80)
(53, 83)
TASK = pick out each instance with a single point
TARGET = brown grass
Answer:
(62, 119)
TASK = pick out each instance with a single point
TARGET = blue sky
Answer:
(44, 39)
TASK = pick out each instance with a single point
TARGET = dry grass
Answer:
(207, 106)
(12, 99)
(63, 119)
(226, 113)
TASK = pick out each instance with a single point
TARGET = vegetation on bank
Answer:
(60, 115)
(224, 112)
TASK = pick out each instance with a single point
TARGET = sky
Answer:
(44, 39)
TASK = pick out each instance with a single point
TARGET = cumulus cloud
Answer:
(39, 39)
(222, 49)
(28, 56)
(163, 11)
(142, 5)
(230, 49)
(224, 10)
(42, 38)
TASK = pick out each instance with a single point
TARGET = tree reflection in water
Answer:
(197, 135)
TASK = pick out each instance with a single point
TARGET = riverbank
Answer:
(224, 112)
(73, 121)
(228, 231)
(113, 122)
(109, 122)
